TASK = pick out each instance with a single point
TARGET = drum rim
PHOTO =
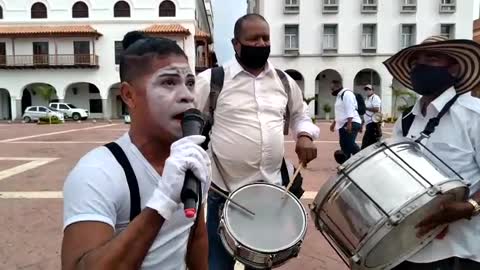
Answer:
(298, 239)
(353, 162)
(364, 247)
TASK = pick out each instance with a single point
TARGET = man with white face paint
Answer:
(122, 206)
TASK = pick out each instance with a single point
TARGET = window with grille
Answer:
(80, 10)
(369, 6)
(292, 6)
(118, 51)
(369, 38)
(121, 9)
(447, 6)
(167, 9)
(291, 38)
(39, 11)
(447, 30)
(330, 38)
(330, 6)
(408, 34)
(409, 6)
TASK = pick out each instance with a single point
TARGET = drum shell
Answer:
(379, 226)
(256, 258)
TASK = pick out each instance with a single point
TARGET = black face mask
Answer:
(253, 57)
(335, 92)
(430, 80)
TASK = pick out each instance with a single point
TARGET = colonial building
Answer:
(319, 41)
(68, 50)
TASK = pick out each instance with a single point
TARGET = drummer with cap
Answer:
(444, 72)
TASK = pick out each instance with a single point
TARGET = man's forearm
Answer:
(197, 250)
(373, 109)
(129, 248)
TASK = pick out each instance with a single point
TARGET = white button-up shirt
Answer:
(346, 107)
(456, 140)
(247, 135)
(372, 101)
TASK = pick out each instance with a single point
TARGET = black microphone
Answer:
(192, 124)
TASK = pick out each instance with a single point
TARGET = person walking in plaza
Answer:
(122, 206)
(373, 129)
(247, 137)
(446, 119)
(347, 118)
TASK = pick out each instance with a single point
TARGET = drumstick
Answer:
(291, 179)
(231, 200)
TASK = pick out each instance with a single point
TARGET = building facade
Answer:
(68, 51)
(320, 41)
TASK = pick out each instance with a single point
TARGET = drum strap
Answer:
(408, 117)
(433, 122)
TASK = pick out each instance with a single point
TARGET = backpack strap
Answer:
(407, 120)
(288, 89)
(122, 159)
(216, 84)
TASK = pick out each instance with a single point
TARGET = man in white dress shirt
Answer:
(247, 140)
(347, 120)
(444, 72)
(373, 130)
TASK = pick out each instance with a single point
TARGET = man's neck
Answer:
(154, 150)
(426, 100)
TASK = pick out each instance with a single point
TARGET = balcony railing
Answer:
(49, 61)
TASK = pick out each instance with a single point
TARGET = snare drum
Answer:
(273, 235)
(368, 211)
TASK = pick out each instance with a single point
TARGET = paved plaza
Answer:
(35, 159)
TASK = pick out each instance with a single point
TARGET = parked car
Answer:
(70, 111)
(33, 113)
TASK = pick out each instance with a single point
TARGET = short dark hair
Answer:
(237, 29)
(139, 50)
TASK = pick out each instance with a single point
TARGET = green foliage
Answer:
(45, 91)
(46, 120)
(327, 108)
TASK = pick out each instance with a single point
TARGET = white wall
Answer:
(349, 62)
(82, 98)
(144, 13)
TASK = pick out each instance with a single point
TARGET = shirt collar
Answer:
(236, 68)
(437, 104)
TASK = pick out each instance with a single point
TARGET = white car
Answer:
(33, 113)
(70, 111)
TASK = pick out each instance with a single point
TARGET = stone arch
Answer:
(297, 77)
(5, 104)
(367, 76)
(38, 94)
(85, 95)
(323, 93)
(118, 108)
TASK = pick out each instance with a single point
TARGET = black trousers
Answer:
(373, 133)
(453, 263)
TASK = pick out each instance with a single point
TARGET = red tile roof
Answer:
(57, 30)
(167, 29)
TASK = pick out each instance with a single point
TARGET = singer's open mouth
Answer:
(178, 116)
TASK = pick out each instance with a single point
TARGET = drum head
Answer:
(278, 223)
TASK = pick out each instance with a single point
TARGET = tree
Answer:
(409, 98)
(45, 90)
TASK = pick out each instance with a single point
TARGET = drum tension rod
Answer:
(231, 200)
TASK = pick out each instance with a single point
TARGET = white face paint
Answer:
(169, 93)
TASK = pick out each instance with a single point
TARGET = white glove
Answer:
(185, 154)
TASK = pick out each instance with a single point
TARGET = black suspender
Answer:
(119, 154)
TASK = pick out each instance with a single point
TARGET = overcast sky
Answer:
(225, 13)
